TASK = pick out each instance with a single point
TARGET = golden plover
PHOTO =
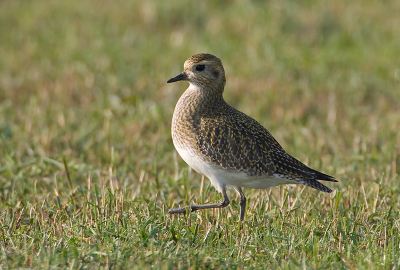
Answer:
(229, 147)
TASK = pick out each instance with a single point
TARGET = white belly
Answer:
(220, 177)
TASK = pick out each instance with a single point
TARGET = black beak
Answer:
(180, 77)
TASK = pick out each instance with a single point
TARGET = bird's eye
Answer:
(200, 67)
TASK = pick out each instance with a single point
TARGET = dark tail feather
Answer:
(323, 177)
(317, 185)
(314, 184)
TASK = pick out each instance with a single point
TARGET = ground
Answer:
(87, 165)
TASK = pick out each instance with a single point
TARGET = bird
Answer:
(227, 146)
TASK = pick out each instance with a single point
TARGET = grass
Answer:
(87, 165)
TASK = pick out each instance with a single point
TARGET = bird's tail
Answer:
(317, 185)
(323, 177)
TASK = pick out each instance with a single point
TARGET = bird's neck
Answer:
(196, 102)
(203, 98)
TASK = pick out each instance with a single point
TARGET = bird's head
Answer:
(204, 71)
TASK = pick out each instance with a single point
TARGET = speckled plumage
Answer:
(222, 142)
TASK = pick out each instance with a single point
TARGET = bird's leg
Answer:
(242, 203)
(192, 208)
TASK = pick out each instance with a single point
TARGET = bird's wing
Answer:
(237, 141)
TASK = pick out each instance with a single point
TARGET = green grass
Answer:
(87, 165)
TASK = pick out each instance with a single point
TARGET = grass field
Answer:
(87, 165)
